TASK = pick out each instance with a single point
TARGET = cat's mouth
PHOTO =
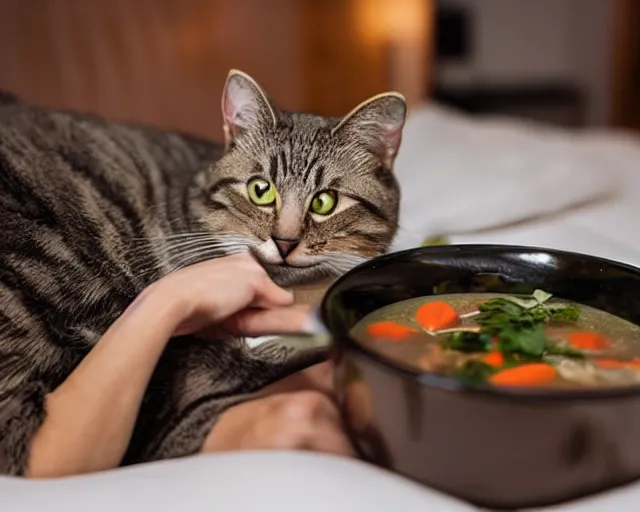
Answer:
(284, 274)
(299, 268)
(269, 256)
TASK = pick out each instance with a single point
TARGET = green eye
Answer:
(324, 202)
(261, 192)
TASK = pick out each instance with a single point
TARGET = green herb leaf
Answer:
(565, 313)
(523, 303)
(467, 341)
(498, 314)
(518, 323)
(517, 313)
(435, 240)
(500, 305)
(530, 342)
(474, 373)
(541, 296)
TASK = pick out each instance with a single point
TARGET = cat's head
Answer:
(312, 196)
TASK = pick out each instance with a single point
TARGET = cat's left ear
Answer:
(378, 124)
(245, 107)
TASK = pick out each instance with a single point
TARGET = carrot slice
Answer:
(437, 315)
(494, 359)
(614, 364)
(609, 363)
(389, 330)
(534, 374)
(588, 341)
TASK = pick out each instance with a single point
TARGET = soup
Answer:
(503, 340)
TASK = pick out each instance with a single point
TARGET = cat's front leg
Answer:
(22, 412)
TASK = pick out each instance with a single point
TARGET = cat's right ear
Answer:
(376, 123)
(245, 107)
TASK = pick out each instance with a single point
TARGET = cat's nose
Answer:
(285, 245)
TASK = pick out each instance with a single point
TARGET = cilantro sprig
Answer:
(514, 326)
(464, 341)
(474, 372)
(497, 313)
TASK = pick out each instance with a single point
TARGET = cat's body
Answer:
(92, 212)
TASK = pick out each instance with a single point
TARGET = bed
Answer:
(472, 181)
(514, 182)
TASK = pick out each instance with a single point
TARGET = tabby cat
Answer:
(92, 212)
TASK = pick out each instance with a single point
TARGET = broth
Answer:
(504, 340)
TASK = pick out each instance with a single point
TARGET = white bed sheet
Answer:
(600, 230)
(460, 174)
(252, 481)
(608, 228)
(260, 481)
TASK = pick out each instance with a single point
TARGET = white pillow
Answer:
(461, 174)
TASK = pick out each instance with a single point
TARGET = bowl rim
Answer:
(451, 384)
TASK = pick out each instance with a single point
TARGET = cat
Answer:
(94, 211)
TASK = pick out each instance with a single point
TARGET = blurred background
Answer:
(571, 62)
(568, 62)
(164, 62)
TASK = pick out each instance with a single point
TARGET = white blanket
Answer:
(247, 482)
(461, 174)
(607, 228)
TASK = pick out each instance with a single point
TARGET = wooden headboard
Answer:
(625, 90)
(164, 62)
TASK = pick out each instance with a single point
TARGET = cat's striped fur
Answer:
(91, 212)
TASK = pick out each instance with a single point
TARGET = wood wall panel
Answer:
(626, 65)
(354, 49)
(158, 61)
(164, 62)
(341, 69)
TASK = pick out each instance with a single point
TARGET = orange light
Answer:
(396, 21)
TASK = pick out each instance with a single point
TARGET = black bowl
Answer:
(494, 448)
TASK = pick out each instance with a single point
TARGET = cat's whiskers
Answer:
(340, 263)
(333, 268)
(228, 243)
(164, 238)
(160, 244)
(207, 248)
(204, 253)
(170, 255)
(345, 261)
(185, 245)
(171, 246)
(201, 257)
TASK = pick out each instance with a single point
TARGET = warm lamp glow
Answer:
(395, 21)
(402, 31)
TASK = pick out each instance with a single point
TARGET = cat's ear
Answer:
(245, 106)
(377, 123)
